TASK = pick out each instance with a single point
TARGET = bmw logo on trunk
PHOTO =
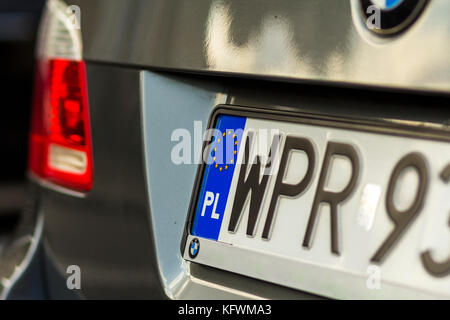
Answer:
(388, 17)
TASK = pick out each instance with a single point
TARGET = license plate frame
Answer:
(224, 256)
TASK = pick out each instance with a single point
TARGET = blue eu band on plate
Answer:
(348, 209)
(217, 176)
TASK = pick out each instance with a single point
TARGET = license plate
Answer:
(336, 207)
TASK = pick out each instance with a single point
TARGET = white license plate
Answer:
(339, 208)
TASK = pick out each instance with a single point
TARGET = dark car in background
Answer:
(226, 149)
(19, 20)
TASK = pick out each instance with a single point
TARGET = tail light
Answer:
(60, 149)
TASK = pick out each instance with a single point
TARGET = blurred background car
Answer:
(18, 30)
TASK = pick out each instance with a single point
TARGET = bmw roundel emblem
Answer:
(194, 248)
(388, 17)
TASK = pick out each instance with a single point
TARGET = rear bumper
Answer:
(125, 234)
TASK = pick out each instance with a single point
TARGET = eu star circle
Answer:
(194, 248)
(391, 16)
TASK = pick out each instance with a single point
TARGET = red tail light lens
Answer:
(60, 139)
